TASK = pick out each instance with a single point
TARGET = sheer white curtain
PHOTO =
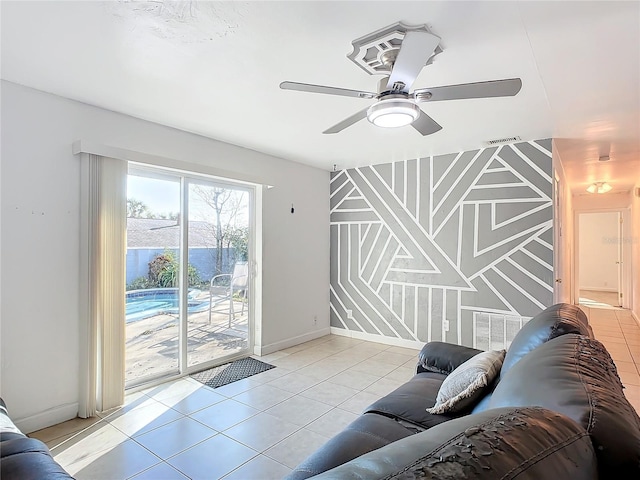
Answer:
(102, 283)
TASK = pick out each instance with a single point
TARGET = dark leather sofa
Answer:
(557, 410)
(24, 458)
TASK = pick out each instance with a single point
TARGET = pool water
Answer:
(141, 304)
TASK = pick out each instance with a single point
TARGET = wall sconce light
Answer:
(599, 187)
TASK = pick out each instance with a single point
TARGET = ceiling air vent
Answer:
(502, 141)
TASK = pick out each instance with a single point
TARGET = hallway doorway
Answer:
(600, 275)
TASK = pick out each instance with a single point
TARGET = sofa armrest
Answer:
(502, 443)
(24, 458)
(366, 433)
(441, 357)
(29, 459)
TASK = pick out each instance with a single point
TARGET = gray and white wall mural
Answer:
(457, 247)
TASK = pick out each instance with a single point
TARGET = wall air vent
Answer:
(502, 141)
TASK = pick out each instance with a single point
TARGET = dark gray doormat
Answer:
(230, 372)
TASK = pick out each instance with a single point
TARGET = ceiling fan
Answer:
(394, 105)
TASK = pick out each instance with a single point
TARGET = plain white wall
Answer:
(598, 251)
(40, 239)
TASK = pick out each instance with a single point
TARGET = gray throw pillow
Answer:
(464, 386)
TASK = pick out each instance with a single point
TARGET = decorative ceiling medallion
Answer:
(376, 52)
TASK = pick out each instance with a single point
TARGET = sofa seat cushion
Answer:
(552, 322)
(575, 375)
(522, 443)
(365, 434)
(410, 401)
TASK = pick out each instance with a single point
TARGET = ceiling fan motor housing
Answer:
(397, 88)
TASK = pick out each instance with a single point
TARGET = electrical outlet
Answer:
(349, 313)
(315, 319)
(445, 325)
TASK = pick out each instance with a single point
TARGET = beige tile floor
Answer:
(620, 333)
(598, 298)
(263, 426)
(257, 428)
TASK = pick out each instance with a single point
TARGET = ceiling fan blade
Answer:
(426, 125)
(495, 88)
(347, 122)
(415, 50)
(307, 87)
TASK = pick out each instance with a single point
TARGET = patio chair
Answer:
(238, 282)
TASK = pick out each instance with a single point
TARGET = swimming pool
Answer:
(142, 304)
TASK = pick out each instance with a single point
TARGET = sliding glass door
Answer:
(188, 275)
(218, 236)
(152, 265)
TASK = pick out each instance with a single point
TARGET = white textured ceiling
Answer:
(213, 68)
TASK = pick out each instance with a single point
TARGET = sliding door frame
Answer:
(187, 178)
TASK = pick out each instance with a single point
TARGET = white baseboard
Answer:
(290, 342)
(47, 418)
(393, 341)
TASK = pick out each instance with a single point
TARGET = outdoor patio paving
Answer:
(152, 343)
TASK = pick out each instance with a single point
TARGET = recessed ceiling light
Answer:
(599, 187)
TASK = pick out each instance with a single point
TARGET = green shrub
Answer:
(164, 271)
(158, 265)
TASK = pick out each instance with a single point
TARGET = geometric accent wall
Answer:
(417, 242)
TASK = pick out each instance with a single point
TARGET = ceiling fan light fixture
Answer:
(393, 112)
(599, 187)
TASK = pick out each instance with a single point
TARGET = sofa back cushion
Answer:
(575, 375)
(552, 322)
